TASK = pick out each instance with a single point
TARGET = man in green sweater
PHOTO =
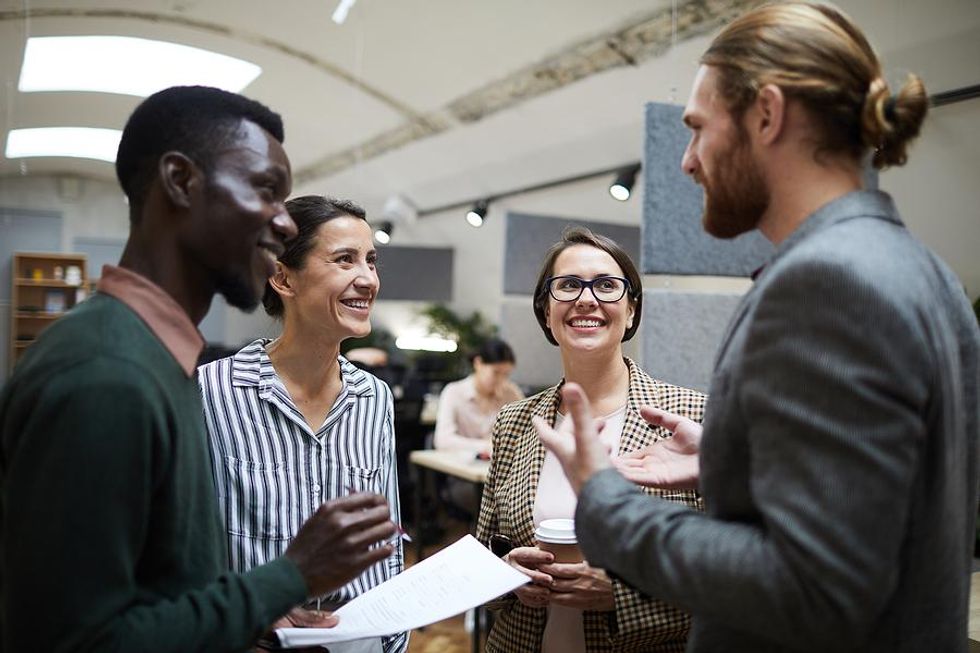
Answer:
(109, 533)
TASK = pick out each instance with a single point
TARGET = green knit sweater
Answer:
(110, 538)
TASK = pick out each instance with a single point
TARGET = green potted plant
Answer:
(468, 332)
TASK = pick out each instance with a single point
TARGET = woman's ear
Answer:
(281, 281)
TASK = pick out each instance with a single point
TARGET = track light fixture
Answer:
(382, 233)
(623, 185)
(477, 214)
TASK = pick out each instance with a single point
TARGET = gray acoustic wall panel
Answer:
(681, 332)
(538, 361)
(528, 237)
(416, 273)
(673, 240)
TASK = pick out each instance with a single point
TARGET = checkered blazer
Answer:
(637, 623)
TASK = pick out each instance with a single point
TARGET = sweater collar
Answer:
(161, 313)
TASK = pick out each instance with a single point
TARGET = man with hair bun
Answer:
(838, 456)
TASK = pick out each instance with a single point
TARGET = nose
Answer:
(283, 224)
(587, 298)
(689, 162)
(367, 279)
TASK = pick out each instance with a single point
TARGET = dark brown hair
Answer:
(582, 236)
(818, 56)
(308, 212)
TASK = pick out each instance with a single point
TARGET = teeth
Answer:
(356, 303)
(586, 323)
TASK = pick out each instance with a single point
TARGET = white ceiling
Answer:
(446, 100)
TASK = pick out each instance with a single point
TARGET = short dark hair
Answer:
(308, 212)
(194, 120)
(494, 350)
(582, 236)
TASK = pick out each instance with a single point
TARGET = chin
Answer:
(238, 293)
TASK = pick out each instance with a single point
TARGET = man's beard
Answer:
(237, 291)
(737, 197)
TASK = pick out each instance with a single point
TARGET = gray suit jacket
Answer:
(838, 461)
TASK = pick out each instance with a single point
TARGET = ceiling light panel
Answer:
(79, 142)
(126, 65)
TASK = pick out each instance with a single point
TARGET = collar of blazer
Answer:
(529, 453)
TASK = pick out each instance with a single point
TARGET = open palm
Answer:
(668, 464)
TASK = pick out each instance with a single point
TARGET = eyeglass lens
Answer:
(605, 289)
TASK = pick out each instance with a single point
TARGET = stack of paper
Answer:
(461, 576)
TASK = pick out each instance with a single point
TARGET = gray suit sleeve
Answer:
(828, 397)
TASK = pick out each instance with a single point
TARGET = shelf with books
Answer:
(44, 286)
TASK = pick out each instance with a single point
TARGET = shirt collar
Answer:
(251, 366)
(161, 313)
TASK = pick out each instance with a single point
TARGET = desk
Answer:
(450, 463)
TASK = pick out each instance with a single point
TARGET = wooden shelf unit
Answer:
(38, 297)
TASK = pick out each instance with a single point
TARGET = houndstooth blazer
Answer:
(637, 623)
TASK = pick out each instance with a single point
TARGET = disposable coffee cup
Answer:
(557, 536)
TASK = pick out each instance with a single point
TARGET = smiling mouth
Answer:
(361, 304)
(586, 322)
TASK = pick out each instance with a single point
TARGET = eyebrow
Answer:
(352, 250)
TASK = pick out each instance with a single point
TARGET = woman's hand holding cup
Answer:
(527, 559)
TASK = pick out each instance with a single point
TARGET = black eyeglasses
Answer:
(605, 289)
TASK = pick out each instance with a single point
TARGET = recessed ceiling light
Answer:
(127, 65)
(80, 142)
(340, 13)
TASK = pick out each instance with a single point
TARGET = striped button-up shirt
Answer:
(272, 471)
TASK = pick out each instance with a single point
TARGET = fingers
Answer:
(628, 461)
(552, 440)
(360, 561)
(532, 596)
(581, 414)
(530, 556)
(527, 559)
(658, 417)
(360, 536)
(302, 618)
(354, 502)
(564, 570)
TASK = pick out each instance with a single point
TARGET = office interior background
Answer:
(421, 110)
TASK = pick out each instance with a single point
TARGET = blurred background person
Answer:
(467, 411)
(588, 301)
(291, 422)
(468, 408)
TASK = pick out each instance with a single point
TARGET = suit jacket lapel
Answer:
(531, 453)
(636, 431)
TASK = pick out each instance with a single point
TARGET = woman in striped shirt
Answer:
(291, 422)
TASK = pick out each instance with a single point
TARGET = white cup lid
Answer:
(556, 531)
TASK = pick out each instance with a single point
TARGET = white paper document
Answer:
(462, 576)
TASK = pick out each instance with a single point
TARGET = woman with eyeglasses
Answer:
(587, 299)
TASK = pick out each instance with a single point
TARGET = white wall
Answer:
(89, 207)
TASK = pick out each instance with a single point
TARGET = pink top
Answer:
(462, 424)
(564, 631)
(161, 313)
